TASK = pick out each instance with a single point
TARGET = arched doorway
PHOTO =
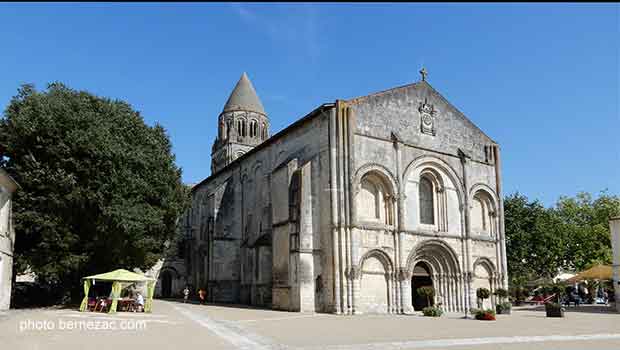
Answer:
(421, 277)
(373, 291)
(376, 268)
(166, 284)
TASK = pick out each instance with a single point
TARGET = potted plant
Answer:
(504, 306)
(554, 310)
(428, 292)
(432, 311)
(482, 293)
(484, 315)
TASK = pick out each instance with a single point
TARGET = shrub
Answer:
(554, 306)
(427, 292)
(501, 293)
(432, 311)
(482, 293)
(501, 307)
(554, 310)
(485, 315)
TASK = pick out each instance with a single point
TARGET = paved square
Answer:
(177, 325)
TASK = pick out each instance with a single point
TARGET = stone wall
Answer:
(334, 213)
(247, 250)
(7, 239)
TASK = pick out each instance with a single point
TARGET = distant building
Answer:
(7, 238)
(350, 209)
(614, 225)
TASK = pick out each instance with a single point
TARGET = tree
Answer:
(428, 292)
(481, 294)
(99, 188)
(534, 241)
(586, 222)
(501, 293)
(572, 235)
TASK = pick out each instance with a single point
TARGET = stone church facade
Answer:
(350, 209)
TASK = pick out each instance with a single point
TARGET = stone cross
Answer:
(424, 73)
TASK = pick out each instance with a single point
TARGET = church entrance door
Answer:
(421, 278)
(166, 284)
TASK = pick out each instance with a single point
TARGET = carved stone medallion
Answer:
(427, 118)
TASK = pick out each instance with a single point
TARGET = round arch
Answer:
(439, 166)
(375, 271)
(484, 277)
(437, 250)
(379, 169)
(381, 255)
(487, 264)
(445, 274)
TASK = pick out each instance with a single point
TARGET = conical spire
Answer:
(244, 97)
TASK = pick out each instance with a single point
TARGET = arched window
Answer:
(370, 200)
(374, 200)
(264, 131)
(239, 127)
(229, 126)
(253, 128)
(482, 214)
(427, 205)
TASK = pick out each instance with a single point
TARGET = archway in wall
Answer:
(421, 277)
(166, 284)
(373, 286)
(482, 279)
(436, 261)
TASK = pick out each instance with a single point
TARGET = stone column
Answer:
(405, 295)
(388, 281)
(453, 293)
(459, 294)
(355, 275)
(395, 293)
(614, 228)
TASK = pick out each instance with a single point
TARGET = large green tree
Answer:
(99, 188)
(572, 235)
(585, 222)
(534, 243)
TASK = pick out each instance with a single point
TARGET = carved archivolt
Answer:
(381, 255)
(380, 169)
(437, 254)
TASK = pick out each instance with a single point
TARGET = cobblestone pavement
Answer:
(178, 325)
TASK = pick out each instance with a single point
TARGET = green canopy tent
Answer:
(118, 277)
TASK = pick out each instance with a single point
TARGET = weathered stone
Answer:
(336, 197)
(7, 238)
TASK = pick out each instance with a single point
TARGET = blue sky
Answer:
(540, 79)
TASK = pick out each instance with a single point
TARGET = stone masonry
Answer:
(351, 208)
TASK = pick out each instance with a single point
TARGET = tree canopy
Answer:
(570, 236)
(99, 188)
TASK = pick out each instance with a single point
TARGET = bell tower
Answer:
(242, 125)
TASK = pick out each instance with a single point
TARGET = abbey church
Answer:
(350, 209)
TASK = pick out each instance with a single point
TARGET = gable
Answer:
(403, 110)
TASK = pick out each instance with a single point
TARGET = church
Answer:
(348, 210)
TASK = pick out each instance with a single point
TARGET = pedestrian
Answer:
(185, 294)
(140, 302)
(202, 294)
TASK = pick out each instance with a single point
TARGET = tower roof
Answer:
(244, 98)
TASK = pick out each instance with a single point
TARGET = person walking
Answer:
(202, 295)
(185, 294)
